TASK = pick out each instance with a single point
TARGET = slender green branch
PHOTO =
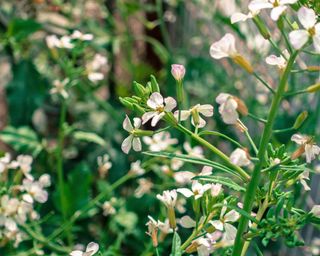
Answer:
(253, 145)
(214, 133)
(257, 118)
(290, 129)
(264, 82)
(213, 149)
(255, 178)
(289, 94)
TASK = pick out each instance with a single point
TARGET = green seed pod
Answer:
(300, 120)
(154, 84)
(313, 88)
(261, 27)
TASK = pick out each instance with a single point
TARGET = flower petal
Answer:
(231, 216)
(170, 104)
(185, 191)
(224, 47)
(307, 17)
(127, 124)
(136, 144)
(230, 231)
(156, 119)
(277, 11)
(147, 116)
(258, 5)
(155, 100)
(76, 253)
(126, 144)
(298, 38)
(136, 122)
(206, 110)
(187, 222)
(299, 138)
(93, 248)
(217, 224)
(238, 16)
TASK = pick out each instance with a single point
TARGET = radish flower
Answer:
(132, 140)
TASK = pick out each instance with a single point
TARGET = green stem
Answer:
(264, 82)
(59, 157)
(257, 118)
(87, 207)
(214, 133)
(253, 145)
(255, 178)
(288, 94)
(213, 149)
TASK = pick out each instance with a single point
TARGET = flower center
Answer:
(276, 3)
(312, 31)
(160, 109)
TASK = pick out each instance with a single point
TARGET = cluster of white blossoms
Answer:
(93, 68)
(91, 249)
(66, 41)
(18, 200)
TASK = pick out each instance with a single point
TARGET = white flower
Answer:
(223, 224)
(93, 67)
(206, 171)
(277, 6)
(95, 76)
(178, 71)
(225, 47)
(92, 249)
(187, 222)
(4, 162)
(196, 151)
(54, 42)
(183, 177)
(80, 36)
(159, 141)
(145, 186)
(194, 112)
(136, 169)
(60, 88)
(240, 157)
(45, 180)
(205, 245)
(23, 162)
(303, 177)
(131, 140)
(168, 197)
(316, 211)
(159, 107)
(228, 108)
(238, 16)
(34, 191)
(307, 146)
(197, 190)
(215, 189)
(9, 206)
(108, 208)
(98, 62)
(104, 165)
(278, 61)
(308, 19)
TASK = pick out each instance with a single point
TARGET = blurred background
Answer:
(132, 39)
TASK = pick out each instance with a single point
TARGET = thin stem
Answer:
(257, 118)
(157, 251)
(59, 158)
(289, 94)
(253, 145)
(214, 133)
(264, 82)
(87, 207)
(255, 178)
(274, 45)
(284, 130)
(213, 149)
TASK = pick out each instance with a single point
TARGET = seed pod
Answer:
(313, 88)
(242, 108)
(261, 27)
(241, 61)
(300, 120)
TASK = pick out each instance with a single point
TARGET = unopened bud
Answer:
(141, 133)
(139, 89)
(313, 68)
(300, 120)
(242, 108)
(192, 247)
(241, 61)
(178, 71)
(139, 110)
(313, 88)
(261, 27)
(195, 117)
(154, 84)
(126, 103)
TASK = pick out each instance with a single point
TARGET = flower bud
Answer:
(139, 89)
(313, 88)
(138, 109)
(241, 61)
(298, 152)
(126, 103)
(313, 68)
(154, 84)
(178, 71)
(300, 120)
(195, 117)
(172, 218)
(242, 108)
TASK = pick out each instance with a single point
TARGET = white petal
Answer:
(92, 247)
(224, 47)
(147, 116)
(316, 42)
(231, 216)
(258, 5)
(187, 222)
(238, 16)
(273, 60)
(316, 210)
(311, 152)
(136, 122)
(231, 231)
(76, 253)
(282, 2)
(185, 191)
(307, 17)
(170, 104)
(299, 138)
(202, 122)
(127, 124)
(126, 144)
(305, 185)
(217, 224)
(155, 100)
(184, 114)
(298, 38)
(277, 11)
(136, 143)
(206, 110)
(222, 98)
(156, 119)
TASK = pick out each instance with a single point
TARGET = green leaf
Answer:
(89, 137)
(221, 180)
(176, 243)
(23, 140)
(25, 92)
(193, 160)
(20, 29)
